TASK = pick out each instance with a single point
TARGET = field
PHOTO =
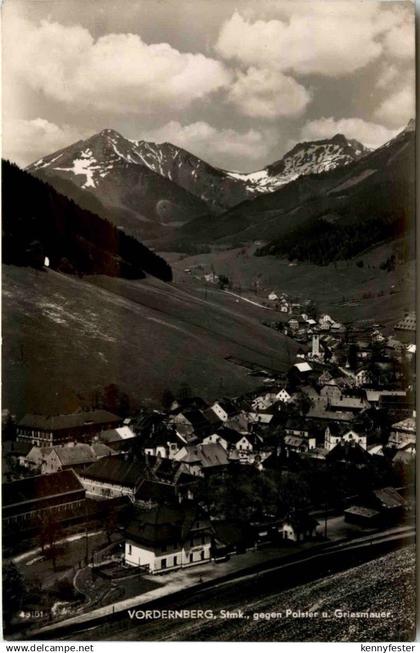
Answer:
(63, 337)
(347, 290)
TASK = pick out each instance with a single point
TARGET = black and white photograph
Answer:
(208, 321)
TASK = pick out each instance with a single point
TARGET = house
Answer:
(151, 493)
(293, 324)
(156, 491)
(303, 368)
(224, 436)
(262, 417)
(224, 409)
(331, 391)
(297, 426)
(298, 527)
(192, 419)
(321, 412)
(47, 431)
(410, 351)
(283, 396)
(403, 433)
(299, 444)
(239, 422)
(325, 321)
(406, 328)
(335, 433)
(167, 538)
(362, 377)
(111, 477)
(203, 458)
(349, 403)
(75, 456)
(362, 516)
(349, 453)
(384, 505)
(174, 473)
(284, 306)
(264, 401)
(249, 443)
(272, 296)
(36, 457)
(26, 501)
(165, 443)
(388, 501)
(110, 436)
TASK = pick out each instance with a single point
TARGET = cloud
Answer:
(262, 93)
(116, 72)
(400, 41)
(25, 141)
(369, 133)
(387, 76)
(225, 146)
(327, 38)
(397, 109)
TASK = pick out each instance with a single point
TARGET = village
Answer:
(110, 506)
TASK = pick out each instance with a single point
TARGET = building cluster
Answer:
(353, 407)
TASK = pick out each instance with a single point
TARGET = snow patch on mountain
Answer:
(86, 165)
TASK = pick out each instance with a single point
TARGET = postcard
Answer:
(208, 317)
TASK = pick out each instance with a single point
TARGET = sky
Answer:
(236, 82)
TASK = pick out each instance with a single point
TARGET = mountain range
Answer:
(379, 184)
(152, 189)
(173, 200)
(334, 200)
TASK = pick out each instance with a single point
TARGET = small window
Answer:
(129, 549)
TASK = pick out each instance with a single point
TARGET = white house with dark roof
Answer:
(113, 476)
(337, 433)
(167, 537)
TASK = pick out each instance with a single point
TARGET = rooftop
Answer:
(69, 421)
(40, 487)
(77, 454)
(408, 323)
(163, 524)
(115, 470)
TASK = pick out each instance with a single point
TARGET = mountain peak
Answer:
(109, 133)
(411, 126)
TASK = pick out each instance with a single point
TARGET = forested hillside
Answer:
(38, 222)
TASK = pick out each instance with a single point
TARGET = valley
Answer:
(344, 288)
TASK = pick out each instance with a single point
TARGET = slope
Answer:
(65, 337)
